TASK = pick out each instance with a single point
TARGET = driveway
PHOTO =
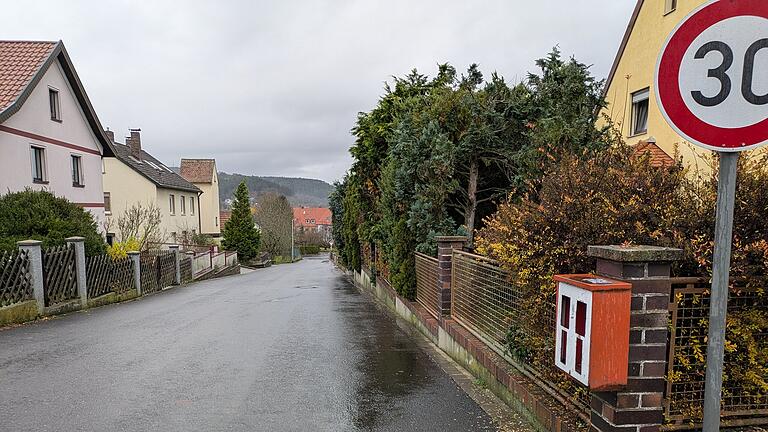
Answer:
(288, 348)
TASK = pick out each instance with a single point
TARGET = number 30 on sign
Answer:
(712, 76)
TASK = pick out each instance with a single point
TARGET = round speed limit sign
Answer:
(712, 76)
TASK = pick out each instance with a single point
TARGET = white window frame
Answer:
(192, 206)
(183, 201)
(43, 179)
(107, 203)
(576, 295)
(670, 6)
(172, 204)
(638, 97)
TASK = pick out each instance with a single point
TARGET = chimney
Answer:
(110, 135)
(134, 143)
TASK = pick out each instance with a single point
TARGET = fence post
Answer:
(135, 256)
(445, 247)
(191, 255)
(177, 263)
(78, 244)
(34, 251)
(638, 406)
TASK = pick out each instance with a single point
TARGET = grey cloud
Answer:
(273, 88)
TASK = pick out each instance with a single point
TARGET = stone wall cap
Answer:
(451, 238)
(635, 253)
(29, 243)
(75, 239)
(134, 253)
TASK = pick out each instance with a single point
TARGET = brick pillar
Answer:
(34, 250)
(445, 248)
(177, 261)
(638, 406)
(78, 243)
(135, 256)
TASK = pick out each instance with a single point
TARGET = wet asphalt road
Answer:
(288, 348)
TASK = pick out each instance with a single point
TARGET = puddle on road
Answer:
(391, 370)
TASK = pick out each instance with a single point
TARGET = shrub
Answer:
(120, 249)
(309, 249)
(40, 215)
(615, 198)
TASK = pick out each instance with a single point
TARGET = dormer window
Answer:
(53, 99)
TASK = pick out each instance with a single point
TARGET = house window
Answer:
(669, 6)
(217, 221)
(172, 204)
(37, 155)
(53, 98)
(192, 206)
(183, 202)
(640, 112)
(107, 203)
(77, 171)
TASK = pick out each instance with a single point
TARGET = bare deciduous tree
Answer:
(143, 223)
(274, 216)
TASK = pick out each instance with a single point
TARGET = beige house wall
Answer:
(209, 203)
(179, 221)
(128, 188)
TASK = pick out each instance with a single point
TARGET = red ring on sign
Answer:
(668, 80)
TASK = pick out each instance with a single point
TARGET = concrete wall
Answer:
(639, 64)
(209, 207)
(35, 117)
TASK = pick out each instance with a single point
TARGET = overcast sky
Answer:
(273, 87)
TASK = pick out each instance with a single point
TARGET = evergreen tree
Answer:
(240, 233)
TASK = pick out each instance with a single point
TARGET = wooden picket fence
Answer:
(105, 275)
(59, 274)
(15, 284)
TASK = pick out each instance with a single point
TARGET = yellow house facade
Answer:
(132, 176)
(630, 93)
(202, 173)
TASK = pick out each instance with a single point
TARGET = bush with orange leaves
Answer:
(616, 197)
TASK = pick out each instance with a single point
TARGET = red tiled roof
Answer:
(310, 217)
(19, 62)
(198, 170)
(658, 157)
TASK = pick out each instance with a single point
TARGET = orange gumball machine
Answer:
(592, 339)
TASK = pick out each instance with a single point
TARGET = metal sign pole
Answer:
(718, 305)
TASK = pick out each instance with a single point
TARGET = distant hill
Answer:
(299, 191)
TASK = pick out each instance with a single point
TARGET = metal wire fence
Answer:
(745, 382)
(426, 283)
(508, 318)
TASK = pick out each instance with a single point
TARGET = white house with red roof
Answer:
(313, 219)
(50, 136)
